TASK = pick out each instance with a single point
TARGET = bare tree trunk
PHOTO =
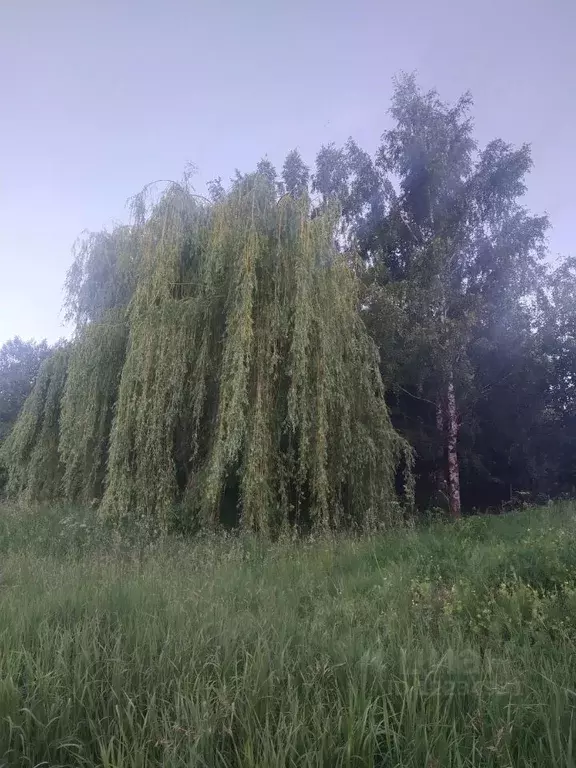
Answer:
(452, 448)
(441, 427)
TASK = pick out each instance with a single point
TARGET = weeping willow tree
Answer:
(89, 396)
(30, 452)
(99, 287)
(59, 445)
(220, 367)
(250, 383)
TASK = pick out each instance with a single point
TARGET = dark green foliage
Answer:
(455, 293)
(295, 175)
(216, 190)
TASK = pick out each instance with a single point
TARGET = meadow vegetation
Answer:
(426, 646)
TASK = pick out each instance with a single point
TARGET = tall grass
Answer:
(442, 646)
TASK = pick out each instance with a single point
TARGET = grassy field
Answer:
(449, 645)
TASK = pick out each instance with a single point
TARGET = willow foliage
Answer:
(99, 287)
(103, 275)
(31, 450)
(250, 382)
(59, 446)
(220, 368)
(88, 401)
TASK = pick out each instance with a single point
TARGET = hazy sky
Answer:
(98, 97)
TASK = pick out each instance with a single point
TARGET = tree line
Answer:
(311, 347)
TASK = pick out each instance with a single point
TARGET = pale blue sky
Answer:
(98, 97)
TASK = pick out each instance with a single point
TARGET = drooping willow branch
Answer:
(232, 376)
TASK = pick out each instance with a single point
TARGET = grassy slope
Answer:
(449, 646)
